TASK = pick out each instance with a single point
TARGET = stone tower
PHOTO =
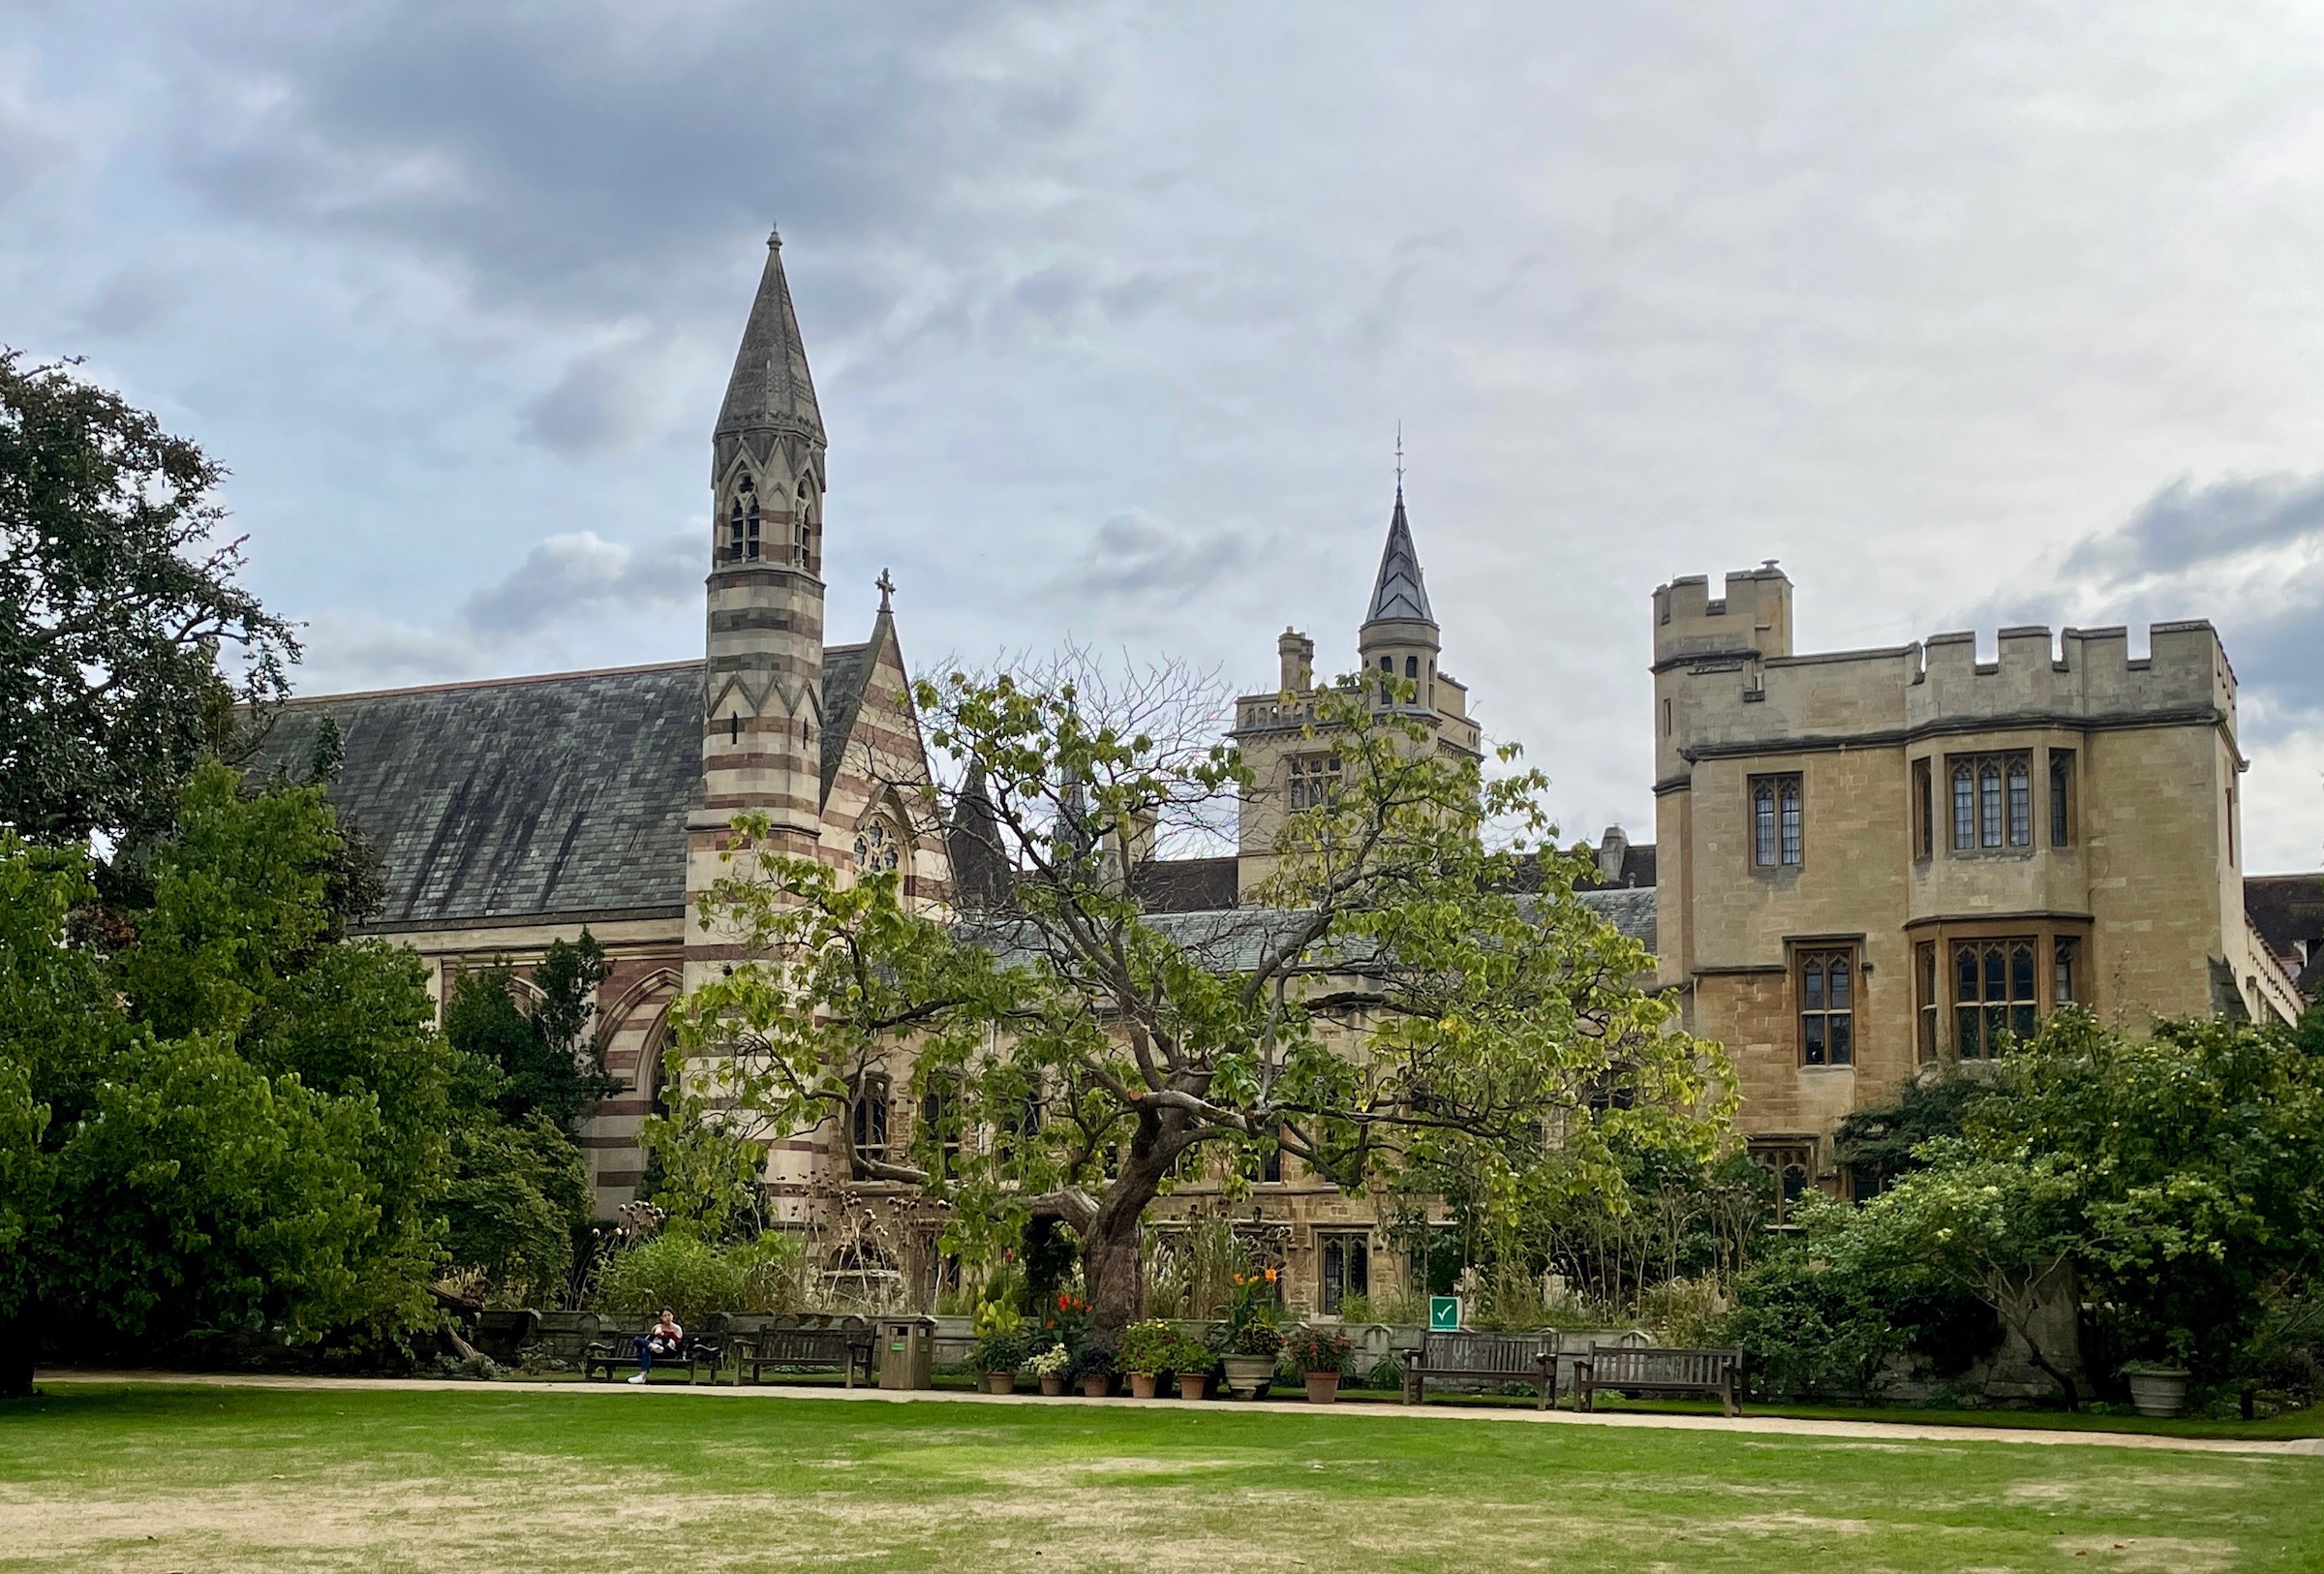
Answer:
(1399, 633)
(763, 676)
(1291, 764)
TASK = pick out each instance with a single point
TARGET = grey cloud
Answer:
(600, 403)
(30, 145)
(567, 575)
(2185, 525)
(133, 299)
(1138, 557)
(2247, 552)
(591, 165)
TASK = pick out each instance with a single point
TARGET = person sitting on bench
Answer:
(663, 1339)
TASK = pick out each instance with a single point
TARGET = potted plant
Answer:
(1252, 1339)
(1145, 1351)
(1322, 1355)
(1194, 1362)
(2157, 1389)
(1093, 1370)
(1050, 1367)
(1000, 1349)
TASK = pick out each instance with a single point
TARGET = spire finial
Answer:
(887, 588)
(1399, 458)
(773, 238)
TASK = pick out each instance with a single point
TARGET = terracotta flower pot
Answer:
(1323, 1388)
(1191, 1384)
(1096, 1385)
(1052, 1383)
(1000, 1382)
(1142, 1385)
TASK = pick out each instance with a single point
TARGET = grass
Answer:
(205, 1480)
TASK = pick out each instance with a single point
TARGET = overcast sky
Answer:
(1966, 313)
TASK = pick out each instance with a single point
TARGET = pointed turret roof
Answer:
(1399, 595)
(770, 389)
(980, 869)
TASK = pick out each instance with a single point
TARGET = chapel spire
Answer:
(1399, 595)
(770, 394)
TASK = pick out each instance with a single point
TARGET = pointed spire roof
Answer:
(980, 869)
(1399, 595)
(770, 389)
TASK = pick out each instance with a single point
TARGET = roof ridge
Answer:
(496, 683)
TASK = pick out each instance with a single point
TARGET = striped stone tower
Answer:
(763, 678)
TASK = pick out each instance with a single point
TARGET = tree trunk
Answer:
(1111, 1268)
(17, 1337)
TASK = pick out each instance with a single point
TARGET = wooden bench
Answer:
(1509, 1358)
(1660, 1371)
(696, 1351)
(793, 1349)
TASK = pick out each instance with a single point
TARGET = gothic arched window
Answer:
(742, 524)
(877, 849)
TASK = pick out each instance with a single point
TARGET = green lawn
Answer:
(203, 1479)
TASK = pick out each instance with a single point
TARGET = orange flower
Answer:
(1270, 1276)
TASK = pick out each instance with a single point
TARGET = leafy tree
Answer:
(518, 1188)
(1391, 1004)
(1876, 1145)
(115, 600)
(224, 1120)
(2176, 1182)
(2196, 1157)
(542, 1061)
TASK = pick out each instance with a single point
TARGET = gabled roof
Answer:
(771, 390)
(1399, 594)
(522, 797)
(560, 794)
(846, 668)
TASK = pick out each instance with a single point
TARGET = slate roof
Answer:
(2288, 911)
(1189, 884)
(1399, 594)
(1629, 908)
(564, 795)
(525, 798)
(846, 668)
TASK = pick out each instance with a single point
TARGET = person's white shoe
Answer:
(639, 1379)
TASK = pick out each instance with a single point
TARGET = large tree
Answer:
(118, 599)
(1416, 985)
(214, 1116)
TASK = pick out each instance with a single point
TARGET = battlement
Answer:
(2075, 672)
(1727, 681)
(1753, 616)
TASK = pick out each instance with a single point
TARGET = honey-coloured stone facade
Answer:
(1840, 835)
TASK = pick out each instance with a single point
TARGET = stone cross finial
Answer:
(887, 588)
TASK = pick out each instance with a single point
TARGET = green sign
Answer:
(1444, 1313)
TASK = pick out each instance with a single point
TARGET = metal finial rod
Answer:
(1399, 457)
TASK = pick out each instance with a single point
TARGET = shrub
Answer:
(1054, 1362)
(690, 1276)
(1092, 1360)
(1001, 1343)
(1150, 1346)
(1192, 1355)
(1319, 1350)
(1255, 1339)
